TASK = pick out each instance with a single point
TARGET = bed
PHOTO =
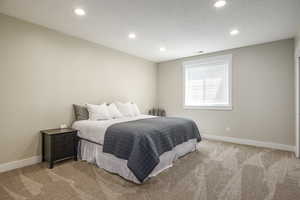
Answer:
(136, 148)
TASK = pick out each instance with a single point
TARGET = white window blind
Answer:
(207, 83)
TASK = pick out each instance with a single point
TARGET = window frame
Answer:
(187, 64)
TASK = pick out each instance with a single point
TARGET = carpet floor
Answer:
(218, 171)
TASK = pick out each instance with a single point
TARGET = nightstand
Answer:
(58, 145)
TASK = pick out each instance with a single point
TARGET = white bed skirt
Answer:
(93, 153)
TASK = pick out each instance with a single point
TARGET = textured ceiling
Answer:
(182, 26)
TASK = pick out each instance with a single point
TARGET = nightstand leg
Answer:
(50, 165)
(76, 140)
(43, 148)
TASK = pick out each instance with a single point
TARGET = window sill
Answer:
(228, 108)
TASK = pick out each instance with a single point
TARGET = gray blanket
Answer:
(141, 142)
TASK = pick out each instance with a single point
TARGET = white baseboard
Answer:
(250, 142)
(20, 163)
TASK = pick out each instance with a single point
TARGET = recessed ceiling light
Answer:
(162, 49)
(79, 11)
(220, 3)
(132, 35)
(234, 32)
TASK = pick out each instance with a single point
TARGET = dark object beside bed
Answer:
(157, 112)
(58, 145)
(141, 142)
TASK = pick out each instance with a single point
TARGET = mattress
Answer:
(95, 130)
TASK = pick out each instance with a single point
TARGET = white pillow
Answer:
(98, 112)
(125, 109)
(113, 111)
(135, 109)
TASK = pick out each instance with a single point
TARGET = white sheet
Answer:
(95, 130)
(93, 153)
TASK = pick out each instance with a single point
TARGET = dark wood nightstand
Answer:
(58, 145)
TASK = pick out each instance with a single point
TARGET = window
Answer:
(207, 83)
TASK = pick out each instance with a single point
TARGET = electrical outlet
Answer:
(227, 129)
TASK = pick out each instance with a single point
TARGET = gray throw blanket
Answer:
(141, 142)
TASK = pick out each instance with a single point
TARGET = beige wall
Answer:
(297, 42)
(297, 56)
(43, 72)
(263, 94)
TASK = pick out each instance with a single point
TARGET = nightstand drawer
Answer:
(64, 146)
(64, 139)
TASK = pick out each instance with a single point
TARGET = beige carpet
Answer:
(218, 171)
